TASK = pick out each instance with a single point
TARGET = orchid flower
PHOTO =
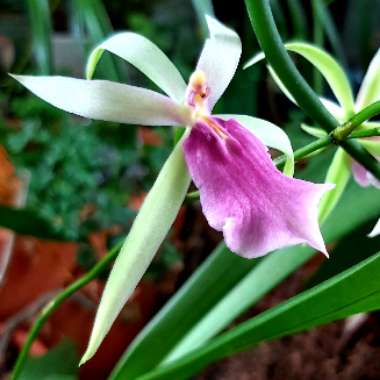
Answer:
(242, 193)
(368, 93)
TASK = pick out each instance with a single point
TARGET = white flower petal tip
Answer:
(146, 57)
(376, 230)
(219, 58)
(105, 100)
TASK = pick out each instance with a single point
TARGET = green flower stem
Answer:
(267, 34)
(365, 133)
(342, 132)
(57, 301)
(306, 150)
(365, 114)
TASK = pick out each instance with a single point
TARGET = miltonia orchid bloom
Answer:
(242, 193)
(368, 93)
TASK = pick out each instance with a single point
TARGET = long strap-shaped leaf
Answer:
(197, 302)
(149, 229)
(353, 291)
(92, 16)
(41, 33)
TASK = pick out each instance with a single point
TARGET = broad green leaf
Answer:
(369, 91)
(338, 173)
(29, 222)
(270, 135)
(60, 363)
(39, 15)
(149, 229)
(329, 68)
(314, 131)
(209, 286)
(145, 56)
(352, 291)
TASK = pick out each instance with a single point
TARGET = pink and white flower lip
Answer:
(258, 208)
(243, 194)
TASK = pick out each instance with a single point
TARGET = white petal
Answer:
(376, 230)
(149, 229)
(145, 56)
(219, 58)
(104, 100)
(269, 134)
(369, 91)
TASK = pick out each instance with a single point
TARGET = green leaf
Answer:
(205, 287)
(60, 363)
(149, 229)
(209, 287)
(329, 68)
(145, 56)
(39, 16)
(91, 15)
(270, 135)
(314, 131)
(353, 291)
(338, 173)
(28, 222)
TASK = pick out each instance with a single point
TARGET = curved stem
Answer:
(270, 41)
(365, 133)
(345, 130)
(57, 301)
(365, 114)
(306, 150)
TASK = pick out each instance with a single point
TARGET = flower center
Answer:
(196, 98)
(197, 92)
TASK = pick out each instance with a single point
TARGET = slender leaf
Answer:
(149, 229)
(314, 131)
(353, 291)
(92, 18)
(39, 15)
